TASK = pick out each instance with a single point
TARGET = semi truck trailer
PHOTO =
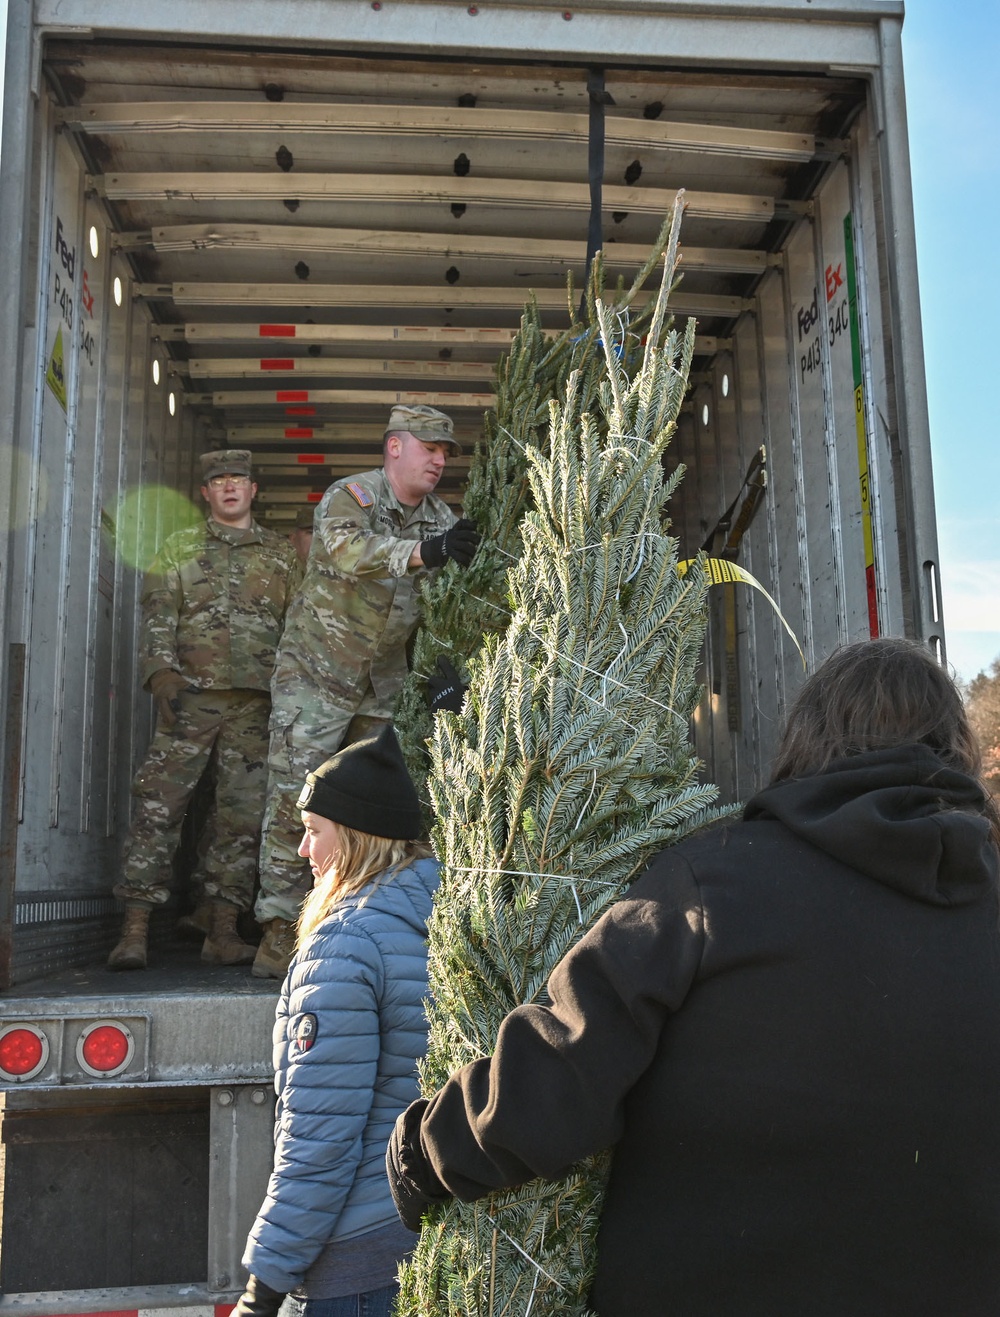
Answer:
(260, 225)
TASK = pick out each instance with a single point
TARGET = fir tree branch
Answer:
(570, 762)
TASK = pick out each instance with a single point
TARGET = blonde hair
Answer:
(360, 858)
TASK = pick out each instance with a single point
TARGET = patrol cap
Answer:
(226, 462)
(425, 423)
(304, 518)
(366, 786)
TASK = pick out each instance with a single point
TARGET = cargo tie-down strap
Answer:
(599, 98)
(731, 529)
(721, 546)
(724, 540)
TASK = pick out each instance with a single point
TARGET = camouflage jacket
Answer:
(213, 605)
(359, 601)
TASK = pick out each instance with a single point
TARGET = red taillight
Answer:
(105, 1048)
(23, 1051)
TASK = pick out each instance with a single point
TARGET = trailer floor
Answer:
(174, 970)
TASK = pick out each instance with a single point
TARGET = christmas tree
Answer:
(569, 765)
(461, 607)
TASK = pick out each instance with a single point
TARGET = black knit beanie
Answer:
(366, 786)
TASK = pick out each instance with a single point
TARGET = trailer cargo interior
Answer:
(262, 225)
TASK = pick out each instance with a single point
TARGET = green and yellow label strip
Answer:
(861, 428)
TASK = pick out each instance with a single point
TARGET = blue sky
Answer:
(952, 60)
(951, 53)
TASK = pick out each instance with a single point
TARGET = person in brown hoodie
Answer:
(788, 1029)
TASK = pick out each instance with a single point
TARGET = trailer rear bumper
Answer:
(182, 1025)
(130, 1301)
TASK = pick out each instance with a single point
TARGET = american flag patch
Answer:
(363, 498)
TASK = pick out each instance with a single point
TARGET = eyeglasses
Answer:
(220, 482)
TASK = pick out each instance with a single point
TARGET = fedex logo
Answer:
(807, 317)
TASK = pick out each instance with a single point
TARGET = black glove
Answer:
(412, 1182)
(445, 689)
(459, 543)
(258, 1300)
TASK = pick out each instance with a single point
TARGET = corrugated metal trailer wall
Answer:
(97, 427)
(806, 377)
(304, 211)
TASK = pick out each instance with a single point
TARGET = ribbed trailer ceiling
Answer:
(353, 231)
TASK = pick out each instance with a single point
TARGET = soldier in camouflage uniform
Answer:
(342, 658)
(214, 603)
(301, 533)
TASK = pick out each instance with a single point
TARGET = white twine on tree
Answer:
(527, 1256)
(642, 555)
(514, 439)
(623, 450)
(600, 704)
(579, 908)
(531, 1296)
(622, 539)
(603, 676)
(534, 1280)
(445, 644)
(593, 788)
(614, 663)
(490, 603)
(629, 690)
(526, 873)
(572, 886)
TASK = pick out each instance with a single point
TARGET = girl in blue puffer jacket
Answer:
(349, 1029)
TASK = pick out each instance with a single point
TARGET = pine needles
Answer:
(568, 767)
(461, 607)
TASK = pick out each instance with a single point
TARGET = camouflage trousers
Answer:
(229, 727)
(307, 727)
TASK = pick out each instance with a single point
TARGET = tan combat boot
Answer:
(223, 945)
(130, 953)
(275, 951)
(196, 926)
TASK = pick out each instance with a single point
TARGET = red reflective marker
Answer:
(22, 1052)
(105, 1048)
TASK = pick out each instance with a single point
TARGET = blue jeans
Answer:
(373, 1303)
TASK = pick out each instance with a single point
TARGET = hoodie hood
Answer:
(900, 816)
